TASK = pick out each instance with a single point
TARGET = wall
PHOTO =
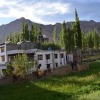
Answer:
(52, 61)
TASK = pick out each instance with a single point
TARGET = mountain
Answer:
(16, 26)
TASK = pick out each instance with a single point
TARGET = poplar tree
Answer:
(26, 32)
(90, 41)
(55, 36)
(96, 39)
(78, 31)
(62, 35)
(23, 31)
(40, 30)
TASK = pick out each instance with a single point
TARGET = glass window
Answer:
(2, 58)
(2, 49)
(55, 55)
(48, 66)
(40, 57)
(62, 55)
(47, 56)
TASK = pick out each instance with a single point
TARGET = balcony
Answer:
(15, 51)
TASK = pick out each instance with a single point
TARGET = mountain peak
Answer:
(16, 26)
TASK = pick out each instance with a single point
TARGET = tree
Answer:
(35, 33)
(74, 31)
(78, 34)
(95, 39)
(32, 33)
(90, 40)
(21, 65)
(25, 32)
(62, 35)
(54, 36)
(40, 31)
(84, 41)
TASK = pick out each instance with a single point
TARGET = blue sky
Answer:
(48, 11)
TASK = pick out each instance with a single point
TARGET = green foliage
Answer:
(9, 69)
(53, 46)
(20, 66)
(62, 35)
(40, 31)
(54, 36)
(26, 34)
(96, 39)
(84, 85)
(15, 37)
(93, 39)
(78, 31)
(84, 41)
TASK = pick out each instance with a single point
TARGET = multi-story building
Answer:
(45, 58)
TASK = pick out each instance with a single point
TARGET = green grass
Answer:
(84, 85)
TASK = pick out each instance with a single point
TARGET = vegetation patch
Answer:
(84, 85)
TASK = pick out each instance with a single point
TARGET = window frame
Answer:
(2, 49)
(3, 58)
(47, 56)
(55, 56)
(62, 55)
(40, 57)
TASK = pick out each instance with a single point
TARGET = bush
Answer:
(53, 46)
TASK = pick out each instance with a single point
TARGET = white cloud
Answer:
(33, 10)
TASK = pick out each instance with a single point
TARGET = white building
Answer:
(45, 58)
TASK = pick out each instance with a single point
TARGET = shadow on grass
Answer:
(77, 78)
(29, 91)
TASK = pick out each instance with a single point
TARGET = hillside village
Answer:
(47, 59)
(46, 53)
(74, 46)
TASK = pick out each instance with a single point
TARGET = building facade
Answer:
(47, 59)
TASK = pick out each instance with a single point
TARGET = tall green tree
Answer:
(40, 30)
(55, 36)
(90, 41)
(32, 33)
(62, 35)
(78, 34)
(96, 39)
(25, 32)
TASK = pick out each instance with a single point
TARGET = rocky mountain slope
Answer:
(16, 26)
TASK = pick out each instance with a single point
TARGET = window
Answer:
(48, 66)
(2, 49)
(2, 58)
(40, 57)
(62, 55)
(66, 57)
(55, 55)
(10, 58)
(48, 56)
(56, 64)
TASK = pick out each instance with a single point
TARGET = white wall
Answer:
(52, 61)
(70, 57)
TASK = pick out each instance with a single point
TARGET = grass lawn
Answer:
(84, 85)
